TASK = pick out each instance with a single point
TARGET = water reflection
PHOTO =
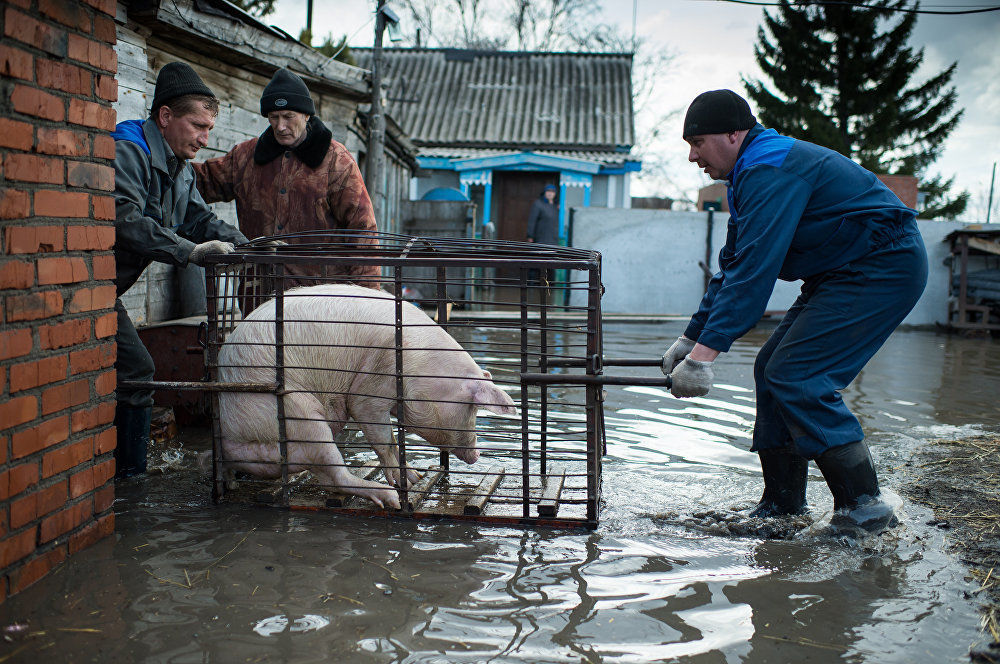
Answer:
(186, 581)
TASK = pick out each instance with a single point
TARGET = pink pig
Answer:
(340, 364)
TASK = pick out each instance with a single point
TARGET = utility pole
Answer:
(375, 159)
(989, 203)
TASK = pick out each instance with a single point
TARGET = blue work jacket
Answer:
(797, 210)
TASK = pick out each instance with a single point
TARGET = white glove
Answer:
(691, 378)
(677, 352)
(211, 247)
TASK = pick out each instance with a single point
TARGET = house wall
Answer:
(574, 198)
(397, 189)
(650, 261)
(57, 322)
(609, 191)
(600, 190)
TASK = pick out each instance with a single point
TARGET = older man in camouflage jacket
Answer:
(294, 177)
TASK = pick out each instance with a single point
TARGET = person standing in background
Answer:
(543, 228)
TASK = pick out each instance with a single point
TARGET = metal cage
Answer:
(529, 314)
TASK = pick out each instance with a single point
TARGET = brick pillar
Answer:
(57, 322)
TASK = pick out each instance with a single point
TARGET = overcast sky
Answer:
(713, 44)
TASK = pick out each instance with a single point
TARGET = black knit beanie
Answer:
(286, 92)
(717, 112)
(177, 79)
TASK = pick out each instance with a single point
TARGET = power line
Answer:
(905, 10)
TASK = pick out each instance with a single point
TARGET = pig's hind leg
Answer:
(314, 448)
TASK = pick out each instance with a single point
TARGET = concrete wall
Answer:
(650, 261)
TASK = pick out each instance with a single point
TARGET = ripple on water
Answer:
(190, 581)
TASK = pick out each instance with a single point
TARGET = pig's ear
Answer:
(487, 375)
(492, 398)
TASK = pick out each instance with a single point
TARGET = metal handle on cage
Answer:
(596, 363)
(590, 379)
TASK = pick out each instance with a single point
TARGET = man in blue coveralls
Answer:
(800, 211)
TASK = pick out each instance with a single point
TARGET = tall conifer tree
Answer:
(841, 77)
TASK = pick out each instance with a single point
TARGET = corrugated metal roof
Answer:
(603, 158)
(452, 97)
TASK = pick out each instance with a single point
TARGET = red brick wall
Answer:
(715, 192)
(904, 186)
(57, 322)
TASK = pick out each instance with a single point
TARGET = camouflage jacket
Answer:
(313, 186)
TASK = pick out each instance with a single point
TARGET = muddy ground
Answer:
(960, 481)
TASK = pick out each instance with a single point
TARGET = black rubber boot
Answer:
(784, 484)
(133, 440)
(857, 501)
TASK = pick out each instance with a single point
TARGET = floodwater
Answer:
(184, 580)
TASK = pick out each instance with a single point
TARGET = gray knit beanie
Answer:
(175, 80)
(286, 92)
(717, 112)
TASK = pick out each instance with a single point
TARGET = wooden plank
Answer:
(989, 246)
(271, 494)
(476, 503)
(418, 492)
(552, 485)
(366, 472)
(227, 38)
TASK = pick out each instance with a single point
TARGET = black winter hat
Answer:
(177, 79)
(286, 92)
(717, 112)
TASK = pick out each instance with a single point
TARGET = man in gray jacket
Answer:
(159, 216)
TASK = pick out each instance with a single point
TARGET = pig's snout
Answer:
(466, 454)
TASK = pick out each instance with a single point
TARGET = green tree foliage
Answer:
(338, 50)
(841, 77)
(257, 8)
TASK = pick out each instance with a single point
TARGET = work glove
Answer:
(691, 378)
(677, 352)
(211, 247)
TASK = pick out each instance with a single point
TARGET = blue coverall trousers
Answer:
(839, 321)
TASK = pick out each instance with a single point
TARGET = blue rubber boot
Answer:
(785, 476)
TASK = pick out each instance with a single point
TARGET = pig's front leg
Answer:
(314, 448)
(378, 430)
